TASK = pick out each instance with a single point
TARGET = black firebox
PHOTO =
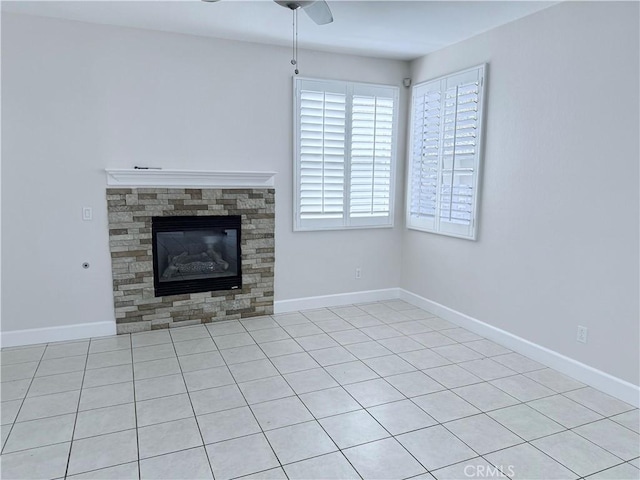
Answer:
(196, 254)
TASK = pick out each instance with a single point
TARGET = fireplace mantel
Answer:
(130, 177)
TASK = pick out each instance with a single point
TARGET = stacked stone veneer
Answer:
(136, 306)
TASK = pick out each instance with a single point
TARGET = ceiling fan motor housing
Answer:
(294, 5)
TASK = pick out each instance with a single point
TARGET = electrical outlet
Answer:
(358, 273)
(582, 334)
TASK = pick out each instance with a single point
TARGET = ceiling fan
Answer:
(317, 10)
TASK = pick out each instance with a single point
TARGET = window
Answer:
(444, 165)
(345, 143)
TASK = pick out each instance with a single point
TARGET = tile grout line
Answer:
(555, 393)
(360, 381)
(135, 405)
(555, 459)
(75, 421)
(363, 408)
(24, 399)
(252, 412)
(314, 419)
(460, 439)
(565, 429)
(195, 417)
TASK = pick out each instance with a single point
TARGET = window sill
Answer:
(445, 234)
(355, 227)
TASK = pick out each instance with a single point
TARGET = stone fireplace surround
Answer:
(135, 196)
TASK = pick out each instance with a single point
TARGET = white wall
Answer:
(559, 218)
(78, 98)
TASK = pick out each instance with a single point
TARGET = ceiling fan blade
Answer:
(319, 12)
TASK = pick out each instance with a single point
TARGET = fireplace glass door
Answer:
(196, 254)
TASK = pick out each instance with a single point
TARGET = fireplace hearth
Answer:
(196, 254)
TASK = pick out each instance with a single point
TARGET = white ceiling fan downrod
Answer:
(294, 60)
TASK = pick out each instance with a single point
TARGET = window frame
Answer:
(347, 222)
(478, 162)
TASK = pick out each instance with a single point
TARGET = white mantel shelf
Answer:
(129, 177)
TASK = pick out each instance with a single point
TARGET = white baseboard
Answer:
(308, 303)
(56, 334)
(614, 386)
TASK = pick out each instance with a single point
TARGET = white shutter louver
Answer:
(445, 156)
(371, 153)
(345, 154)
(425, 153)
(322, 145)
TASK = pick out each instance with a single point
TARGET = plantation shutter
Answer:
(445, 154)
(372, 133)
(345, 147)
(322, 116)
(425, 153)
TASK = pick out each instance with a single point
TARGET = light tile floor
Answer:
(381, 390)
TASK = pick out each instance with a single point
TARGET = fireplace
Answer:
(196, 254)
(133, 215)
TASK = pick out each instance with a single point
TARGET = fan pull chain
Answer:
(294, 60)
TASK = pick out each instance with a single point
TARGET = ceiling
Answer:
(388, 29)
